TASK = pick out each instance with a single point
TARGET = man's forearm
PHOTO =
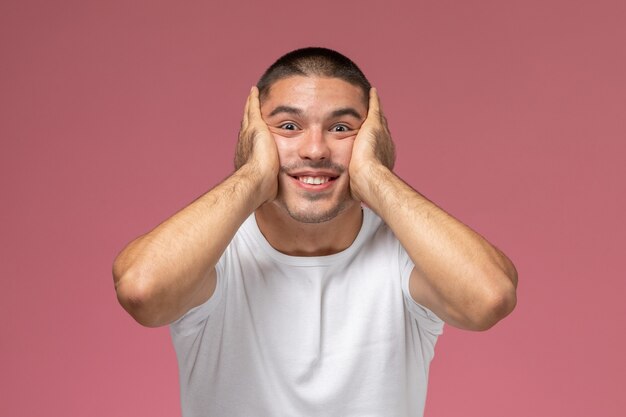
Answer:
(469, 282)
(162, 274)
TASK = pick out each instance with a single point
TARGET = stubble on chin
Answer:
(312, 217)
(313, 208)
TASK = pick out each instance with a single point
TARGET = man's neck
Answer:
(295, 238)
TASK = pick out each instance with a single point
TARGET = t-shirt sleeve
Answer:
(424, 316)
(193, 318)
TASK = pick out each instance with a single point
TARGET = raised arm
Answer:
(162, 274)
(458, 275)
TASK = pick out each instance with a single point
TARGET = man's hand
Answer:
(372, 147)
(164, 273)
(458, 275)
(256, 147)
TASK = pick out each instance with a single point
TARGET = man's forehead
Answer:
(298, 93)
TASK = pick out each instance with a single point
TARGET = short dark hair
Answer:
(314, 61)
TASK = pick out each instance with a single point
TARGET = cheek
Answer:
(286, 148)
(343, 150)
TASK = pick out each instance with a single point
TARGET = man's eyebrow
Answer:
(286, 109)
(346, 111)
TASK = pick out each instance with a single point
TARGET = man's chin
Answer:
(318, 215)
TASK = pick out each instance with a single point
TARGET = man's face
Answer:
(314, 122)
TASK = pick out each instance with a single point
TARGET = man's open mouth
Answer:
(315, 180)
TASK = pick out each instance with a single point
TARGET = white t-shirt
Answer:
(289, 336)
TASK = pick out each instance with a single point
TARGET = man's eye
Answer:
(340, 128)
(288, 126)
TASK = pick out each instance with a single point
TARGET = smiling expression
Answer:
(314, 121)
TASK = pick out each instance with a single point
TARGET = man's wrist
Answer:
(369, 183)
(262, 182)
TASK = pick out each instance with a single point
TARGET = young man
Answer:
(285, 294)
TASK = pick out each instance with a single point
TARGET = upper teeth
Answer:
(314, 180)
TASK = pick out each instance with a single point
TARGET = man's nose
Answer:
(314, 145)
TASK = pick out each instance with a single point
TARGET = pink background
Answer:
(511, 115)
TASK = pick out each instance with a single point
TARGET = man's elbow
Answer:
(497, 304)
(137, 297)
